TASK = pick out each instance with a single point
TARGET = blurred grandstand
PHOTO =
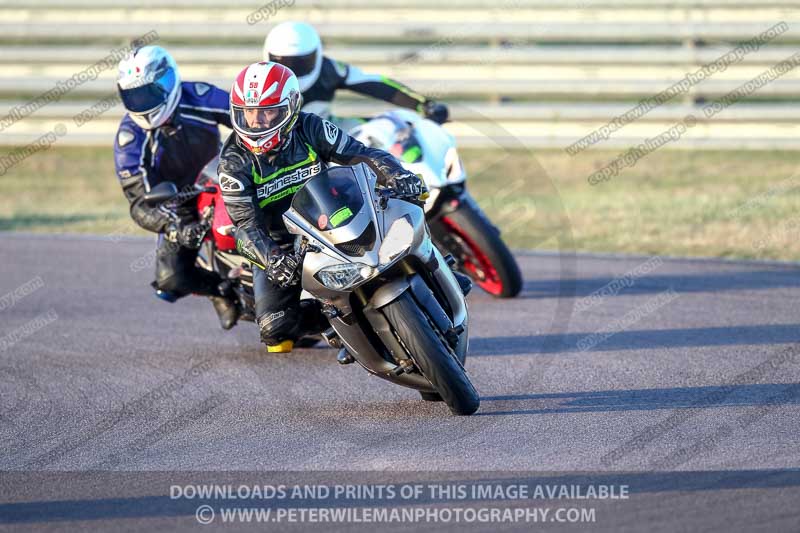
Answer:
(546, 75)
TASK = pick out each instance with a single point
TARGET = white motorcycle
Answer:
(458, 225)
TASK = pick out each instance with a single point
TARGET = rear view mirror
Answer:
(162, 192)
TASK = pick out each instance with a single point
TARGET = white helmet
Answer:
(149, 86)
(296, 45)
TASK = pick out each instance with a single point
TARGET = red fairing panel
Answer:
(226, 243)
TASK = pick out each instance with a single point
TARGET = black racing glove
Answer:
(435, 111)
(409, 187)
(189, 235)
(284, 269)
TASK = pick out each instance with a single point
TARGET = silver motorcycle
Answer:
(392, 300)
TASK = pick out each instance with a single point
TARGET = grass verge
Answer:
(686, 203)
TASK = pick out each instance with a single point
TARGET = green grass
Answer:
(65, 190)
(687, 203)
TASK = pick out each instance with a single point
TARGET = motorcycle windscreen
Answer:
(329, 200)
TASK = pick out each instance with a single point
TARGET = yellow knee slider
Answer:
(283, 347)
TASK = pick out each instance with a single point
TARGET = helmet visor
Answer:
(258, 121)
(300, 65)
(149, 96)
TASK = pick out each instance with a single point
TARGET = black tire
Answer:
(428, 351)
(488, 240)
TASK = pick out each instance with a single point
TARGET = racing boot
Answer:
(226, 305)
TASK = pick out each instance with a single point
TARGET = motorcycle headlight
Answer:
(343, 276)
(398, 240)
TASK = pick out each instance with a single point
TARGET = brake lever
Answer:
(187, 196)
(384, 195)
(306, 246)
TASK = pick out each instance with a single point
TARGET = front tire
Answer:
(432, 355)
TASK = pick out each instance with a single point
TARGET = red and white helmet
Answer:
(265, 100)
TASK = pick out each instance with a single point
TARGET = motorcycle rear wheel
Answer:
(481, 252)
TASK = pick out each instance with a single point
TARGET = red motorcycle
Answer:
(218, 251)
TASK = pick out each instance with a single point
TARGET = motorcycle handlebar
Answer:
(184, 196)
(169, 205)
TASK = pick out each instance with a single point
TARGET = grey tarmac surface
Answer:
(680, 383)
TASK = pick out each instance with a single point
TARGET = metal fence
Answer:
(513, 71)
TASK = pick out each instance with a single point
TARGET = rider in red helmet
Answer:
(274, 150)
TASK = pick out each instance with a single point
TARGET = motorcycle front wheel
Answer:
(432, 355)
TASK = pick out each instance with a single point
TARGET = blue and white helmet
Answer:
(149, 86)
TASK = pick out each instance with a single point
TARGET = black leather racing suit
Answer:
(257, 190)
(336, 75)
(174, 152)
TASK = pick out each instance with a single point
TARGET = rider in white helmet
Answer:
(297, 45)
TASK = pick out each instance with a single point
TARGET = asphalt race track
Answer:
(682, 382)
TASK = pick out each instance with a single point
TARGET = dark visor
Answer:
(149, 96)
(300, 65)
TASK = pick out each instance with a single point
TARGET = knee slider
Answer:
(278, 326)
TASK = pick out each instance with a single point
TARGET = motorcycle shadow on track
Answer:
(758, 279)
(637, 340)
(753, 395)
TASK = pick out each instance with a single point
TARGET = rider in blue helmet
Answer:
(169, 133)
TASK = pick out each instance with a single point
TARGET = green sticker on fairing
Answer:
(340, 216)
(412, 155)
